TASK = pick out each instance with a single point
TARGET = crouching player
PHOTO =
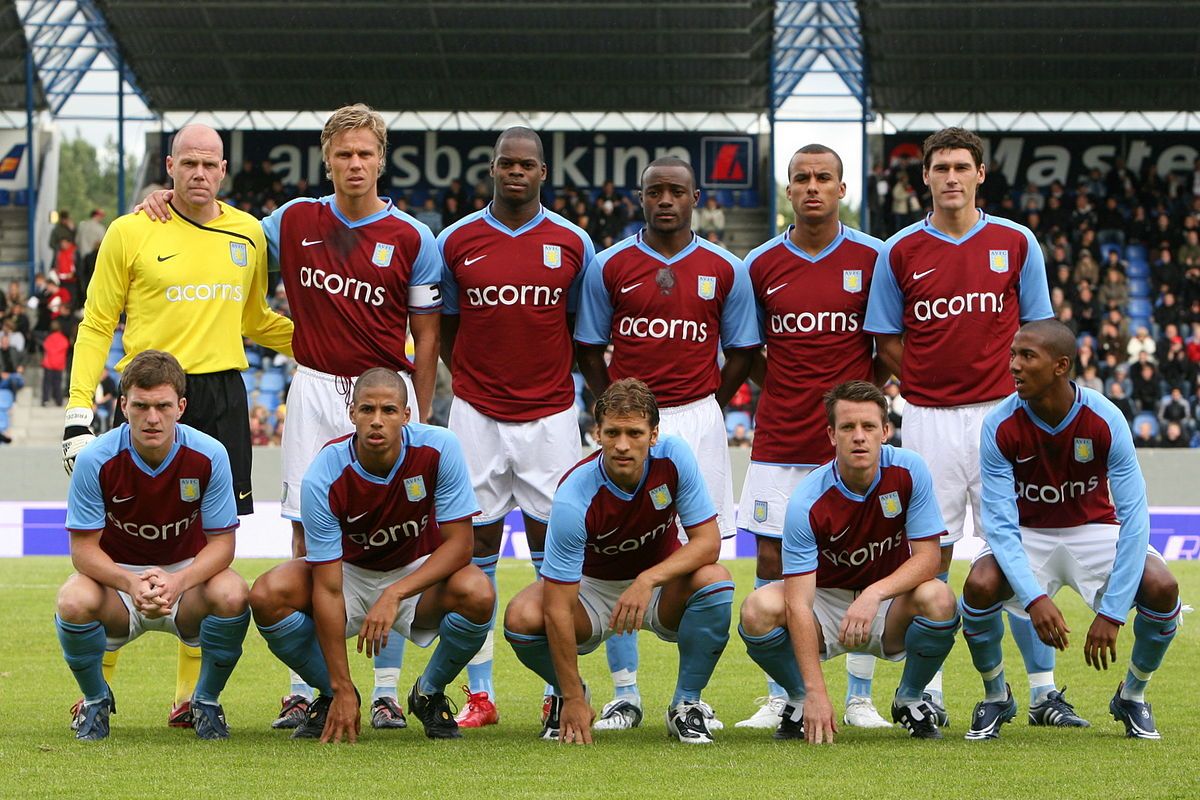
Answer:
(614, 564)
(387, 528)
(1050, 453)
(860, 559)
(151, 514)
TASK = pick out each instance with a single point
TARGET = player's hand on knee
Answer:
(343, 720)
(1049, 623)
(819, 723)
(77, 434)
(156, 206)
(1100, 648)
(631, 608)
(855, 630)
(575, 721)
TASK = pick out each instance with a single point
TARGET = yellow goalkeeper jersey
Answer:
(190, 289)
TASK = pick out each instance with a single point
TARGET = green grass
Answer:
(142, 758)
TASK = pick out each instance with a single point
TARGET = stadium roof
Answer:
(12, 60)
(533, 55)
(1031, 55)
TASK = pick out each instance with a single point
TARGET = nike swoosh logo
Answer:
(244, 495)
(165, 258)
(918, 275)
(625, 289)
(356, 519)
(840, 535)
(775, 289)
(306, 243)
(1025, 459)
(610, 533)
(469, 261)
(122, 499)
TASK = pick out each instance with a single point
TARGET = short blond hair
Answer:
(352, 118)
(627, 397)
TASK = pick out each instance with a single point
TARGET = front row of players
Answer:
(388, 510)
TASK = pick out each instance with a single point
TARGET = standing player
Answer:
(810, 284)
(948, 293)
(1052, 452)
(860, 556)
(387, 526)
(511, 277)
(151, 515)
(358, 273)
(614, 564)
(668, 302)
(193, 288)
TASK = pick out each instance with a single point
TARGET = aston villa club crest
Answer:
(189, 489)
(852, 280)
(706, 287)
(1084, 452)
(552, 256)
(382, 257)
(998, 260)
(239, 254)
(414, 488)
(760, 511)
(890, 503)
(660, 496)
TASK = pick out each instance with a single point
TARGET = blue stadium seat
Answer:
(271, 381)
(5, 197)
(1136, 252)
(6, 401)
(1139, 322)
(746, 198)
(735, 418)
(268, 400)
(1139, 288)
(21, 198)
(1145, 416)
(3, 420)
(1138, 269)
(1107, 248)
(253, 358)
(724, 197)
(1139, 307)
(250, 378)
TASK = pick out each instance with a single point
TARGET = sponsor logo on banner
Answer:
(1084, 452)
(552, 255)
(660, 496)
(998, 260)
(414, 488)
(760, 510)
(239, 254)
(189, 489)
(852, 280)
(706, 287)
(382, 257)
(890, 503)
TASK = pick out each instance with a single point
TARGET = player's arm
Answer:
(107, 294)
(734, 372)
(1002, 523)
(156, 205)
(889, 352)
(758, 367)
(922, 565)
(1034, 291)
(88, 558)
(450, 307)
(799, 552)
(885, 314)
(593, 327)
(262, 325)
(1128, 489)
(592, 366)
(449, 333)
(424, 319)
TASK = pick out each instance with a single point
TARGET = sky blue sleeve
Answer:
(448, 281)
(1128, 489)
(799, 540)
(576, 288)
(739, 318)
(924, 517)
(322, 532)
(270, 226)
(85, 499)
(218, 507)
(566, 536)
(1035, 292)
(427, 268)
(885, 303)
(693, 503)
(593, 323)
(1000, 518)
(454, 497)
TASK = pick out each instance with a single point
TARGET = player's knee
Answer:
(935, 600)
(985, 584)
(265, 600)
(78, 600)
(769, 558)
(475, 595)
(708, 575)
(524, 615)
(227, 594)
(1159, 590)
(763, 610)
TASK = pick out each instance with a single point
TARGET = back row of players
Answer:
(937, 305)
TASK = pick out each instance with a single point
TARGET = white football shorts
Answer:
(599, 598)
(830, 607)
(362, 587)
(702, 426)
(139, 624)
(765, 496)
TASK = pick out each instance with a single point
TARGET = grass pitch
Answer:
(143, 758)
